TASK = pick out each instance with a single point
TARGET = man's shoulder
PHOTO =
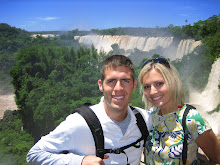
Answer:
(146, 115)
(75, 115)
(140, 110)
(96, 107)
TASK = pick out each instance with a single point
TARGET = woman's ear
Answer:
(135, 85)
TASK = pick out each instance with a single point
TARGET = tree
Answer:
(48, 80)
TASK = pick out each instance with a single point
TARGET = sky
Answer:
(66, 15)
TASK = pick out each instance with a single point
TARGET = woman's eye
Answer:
(159, 83)
(146, 86)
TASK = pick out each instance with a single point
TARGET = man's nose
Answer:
(118, 85)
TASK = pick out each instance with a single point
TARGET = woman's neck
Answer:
(164, 111)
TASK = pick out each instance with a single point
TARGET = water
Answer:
(129, 43)
(209, 98)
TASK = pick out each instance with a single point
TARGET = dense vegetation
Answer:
(53, 76)
(11, 40)
(51, 81)
(15, 141)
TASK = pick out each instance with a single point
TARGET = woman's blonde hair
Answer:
(172, 80)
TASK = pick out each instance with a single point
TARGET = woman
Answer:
(163, 95)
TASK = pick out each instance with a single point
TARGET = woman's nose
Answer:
(153, 90)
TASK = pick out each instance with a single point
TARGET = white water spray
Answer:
(209, 98)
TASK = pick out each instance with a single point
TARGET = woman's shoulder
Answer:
(196, 124)
(193, 113)
(189, 109)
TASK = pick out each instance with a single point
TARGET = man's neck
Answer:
(115, 114)
(119, 117)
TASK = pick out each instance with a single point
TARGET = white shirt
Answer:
(74, 135)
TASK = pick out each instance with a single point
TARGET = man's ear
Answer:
(100, 85)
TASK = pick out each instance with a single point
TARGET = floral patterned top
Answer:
(165, 141)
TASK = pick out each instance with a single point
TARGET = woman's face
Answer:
(156, 91)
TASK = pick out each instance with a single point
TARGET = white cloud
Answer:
(47, 18)
(23, 26)
(28, 24)
(184, 15)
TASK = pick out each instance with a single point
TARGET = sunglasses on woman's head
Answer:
(157, 60)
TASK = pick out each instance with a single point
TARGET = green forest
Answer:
(52, 76)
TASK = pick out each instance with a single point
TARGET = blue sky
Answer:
(62, 15)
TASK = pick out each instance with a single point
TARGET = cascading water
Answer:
(209, 98)
(186, 46)
(130, 43)
(104, 42)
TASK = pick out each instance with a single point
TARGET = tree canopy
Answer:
(51, 81)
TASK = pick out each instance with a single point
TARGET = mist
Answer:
(209, 98)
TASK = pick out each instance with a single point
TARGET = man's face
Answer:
(117, 88)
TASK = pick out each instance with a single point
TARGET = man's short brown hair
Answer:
(116, 61)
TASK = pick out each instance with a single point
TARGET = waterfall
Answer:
(209, 98)
(130, 43)
(125, 42)
(186, 47)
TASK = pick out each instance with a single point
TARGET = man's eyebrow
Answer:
(110, 79)
(126, 79)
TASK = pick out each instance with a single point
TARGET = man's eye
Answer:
(111, 81)
(126, 80)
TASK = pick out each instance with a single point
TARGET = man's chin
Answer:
(118, 107)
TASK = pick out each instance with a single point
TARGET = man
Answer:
(117, 120)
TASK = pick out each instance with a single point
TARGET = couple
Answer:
(162, 94)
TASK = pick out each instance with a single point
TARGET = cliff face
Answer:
(130, 43)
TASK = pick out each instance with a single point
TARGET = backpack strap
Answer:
(141, 124)
(142, 127)
(95, 127)
(97, 132)
(185, 147)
